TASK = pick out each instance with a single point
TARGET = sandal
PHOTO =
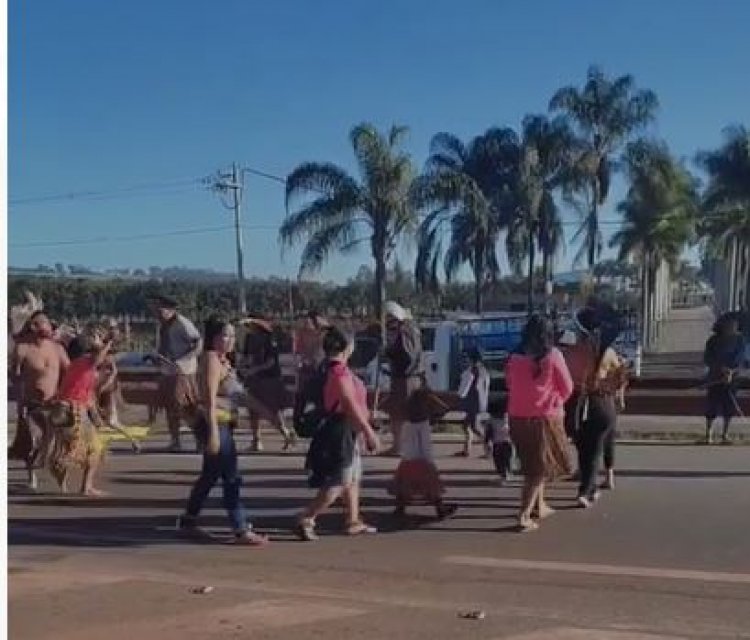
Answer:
(249, 538)
(525, 526)
(543, 513)
(305, 530)
(360, 529)
(290, 441)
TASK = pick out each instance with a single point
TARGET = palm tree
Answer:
(345, 212)
(465, 187)
(543, 157)
(725, 223)
(605, 113)
(659, 214)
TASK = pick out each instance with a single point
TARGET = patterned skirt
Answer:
(541, 446)
(72, 439)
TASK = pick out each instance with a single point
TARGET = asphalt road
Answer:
(666, 555)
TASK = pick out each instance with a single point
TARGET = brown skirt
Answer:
(541, 446)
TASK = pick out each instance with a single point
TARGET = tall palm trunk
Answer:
(379, 293)
(379, 254)
(478, 279)
(547, 275)
(593, 223)
(532, 258)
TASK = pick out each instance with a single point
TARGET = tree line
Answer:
(67, 298)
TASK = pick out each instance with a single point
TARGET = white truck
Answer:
(444, 342)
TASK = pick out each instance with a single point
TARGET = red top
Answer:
(330, 394)
(79, 382)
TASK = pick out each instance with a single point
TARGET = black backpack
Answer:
(311, 413)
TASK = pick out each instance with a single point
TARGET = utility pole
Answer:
(233, 183)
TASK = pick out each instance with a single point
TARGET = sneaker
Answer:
(609, 482)
(174, 447)
(584, 502)
(256, 446)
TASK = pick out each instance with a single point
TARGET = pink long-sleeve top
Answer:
(541, 396)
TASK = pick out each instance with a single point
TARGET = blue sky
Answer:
(106, 95)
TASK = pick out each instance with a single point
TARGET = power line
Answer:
(133, 238)
(154, 187)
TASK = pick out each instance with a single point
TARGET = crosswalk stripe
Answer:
(599, 569)
(588, 634)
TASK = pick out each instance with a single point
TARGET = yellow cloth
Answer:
(124, 434)
(223, 416)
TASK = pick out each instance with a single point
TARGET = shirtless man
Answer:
(37, 365)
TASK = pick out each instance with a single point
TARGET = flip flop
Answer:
(360, 529)
(249, 539)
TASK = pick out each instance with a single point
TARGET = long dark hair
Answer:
(335, 342)
(213, 328)
(537, 340)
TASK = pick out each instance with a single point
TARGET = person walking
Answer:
(178, 346)
(334, 461)
(308, 350)
(260, 369)
(37, 365)
(601, 377)
(723, 356)
(538, 385)
(220, 399)
(474, 393)
(403, 354)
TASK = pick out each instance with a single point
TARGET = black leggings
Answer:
(596, 436)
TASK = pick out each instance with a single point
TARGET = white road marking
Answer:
(600, 569)
(588, 634)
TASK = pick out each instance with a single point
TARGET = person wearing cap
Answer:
(179, 344)
(403, 354)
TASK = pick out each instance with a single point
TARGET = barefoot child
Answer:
(74, 440)
(502, 447)
(416, 475)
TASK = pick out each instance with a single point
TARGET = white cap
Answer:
(395, 310)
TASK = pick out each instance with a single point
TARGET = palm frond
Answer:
(336, 237)
(318, 178)
(342, 207)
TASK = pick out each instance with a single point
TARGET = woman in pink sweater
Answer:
(538, 383)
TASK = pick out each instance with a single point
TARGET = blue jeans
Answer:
(222, 465)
